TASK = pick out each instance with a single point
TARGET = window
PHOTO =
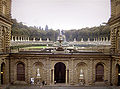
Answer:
(118, 40)
(20, 72)
(99, 72)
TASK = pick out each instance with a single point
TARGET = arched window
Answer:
(20, 72)
(99, 72)
(118, 40)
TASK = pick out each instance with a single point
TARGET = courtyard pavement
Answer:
(60, 87)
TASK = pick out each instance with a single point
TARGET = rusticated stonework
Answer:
(5, 25)
(114, 23)
(5, 36)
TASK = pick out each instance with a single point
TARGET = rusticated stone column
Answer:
(66, 76)
(53, 76)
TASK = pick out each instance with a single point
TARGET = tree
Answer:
(18, 29)
(46, 28)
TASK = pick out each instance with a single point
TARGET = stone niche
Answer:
(81, 73)
(37, 73)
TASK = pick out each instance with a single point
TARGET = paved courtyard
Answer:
(60, 87)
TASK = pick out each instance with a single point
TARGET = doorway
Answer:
(118, 66)
(2, 73)
(60, 72)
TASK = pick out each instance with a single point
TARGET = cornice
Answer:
(69, 56)
(114, 20)
(9, 21)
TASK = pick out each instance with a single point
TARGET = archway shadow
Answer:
(60, 72)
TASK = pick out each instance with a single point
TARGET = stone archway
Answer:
(60, 72)
(3, 73)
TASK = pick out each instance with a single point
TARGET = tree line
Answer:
(19, 29)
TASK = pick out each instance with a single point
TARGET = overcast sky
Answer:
(61, 14)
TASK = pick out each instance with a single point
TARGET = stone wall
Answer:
(114, 23)
(73, 63)
(5, 26)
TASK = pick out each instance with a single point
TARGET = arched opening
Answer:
(20, 72)
(60, 72)
(118, 40)
(3, 73)
(99, 72)
(118, 74)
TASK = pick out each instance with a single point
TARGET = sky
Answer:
(61, 14)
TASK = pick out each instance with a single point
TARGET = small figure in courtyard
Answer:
(43, 82)
(54, 82)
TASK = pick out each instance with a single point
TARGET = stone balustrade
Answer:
(15, 38)
(15, 41)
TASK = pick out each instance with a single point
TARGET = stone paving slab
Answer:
(57, 87)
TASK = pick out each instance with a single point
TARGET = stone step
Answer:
(4, 86)
(100, 84)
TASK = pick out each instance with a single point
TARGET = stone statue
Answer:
(81, 78)
(38, 79)
(38, 72)
(81, 74)
(81, 71)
